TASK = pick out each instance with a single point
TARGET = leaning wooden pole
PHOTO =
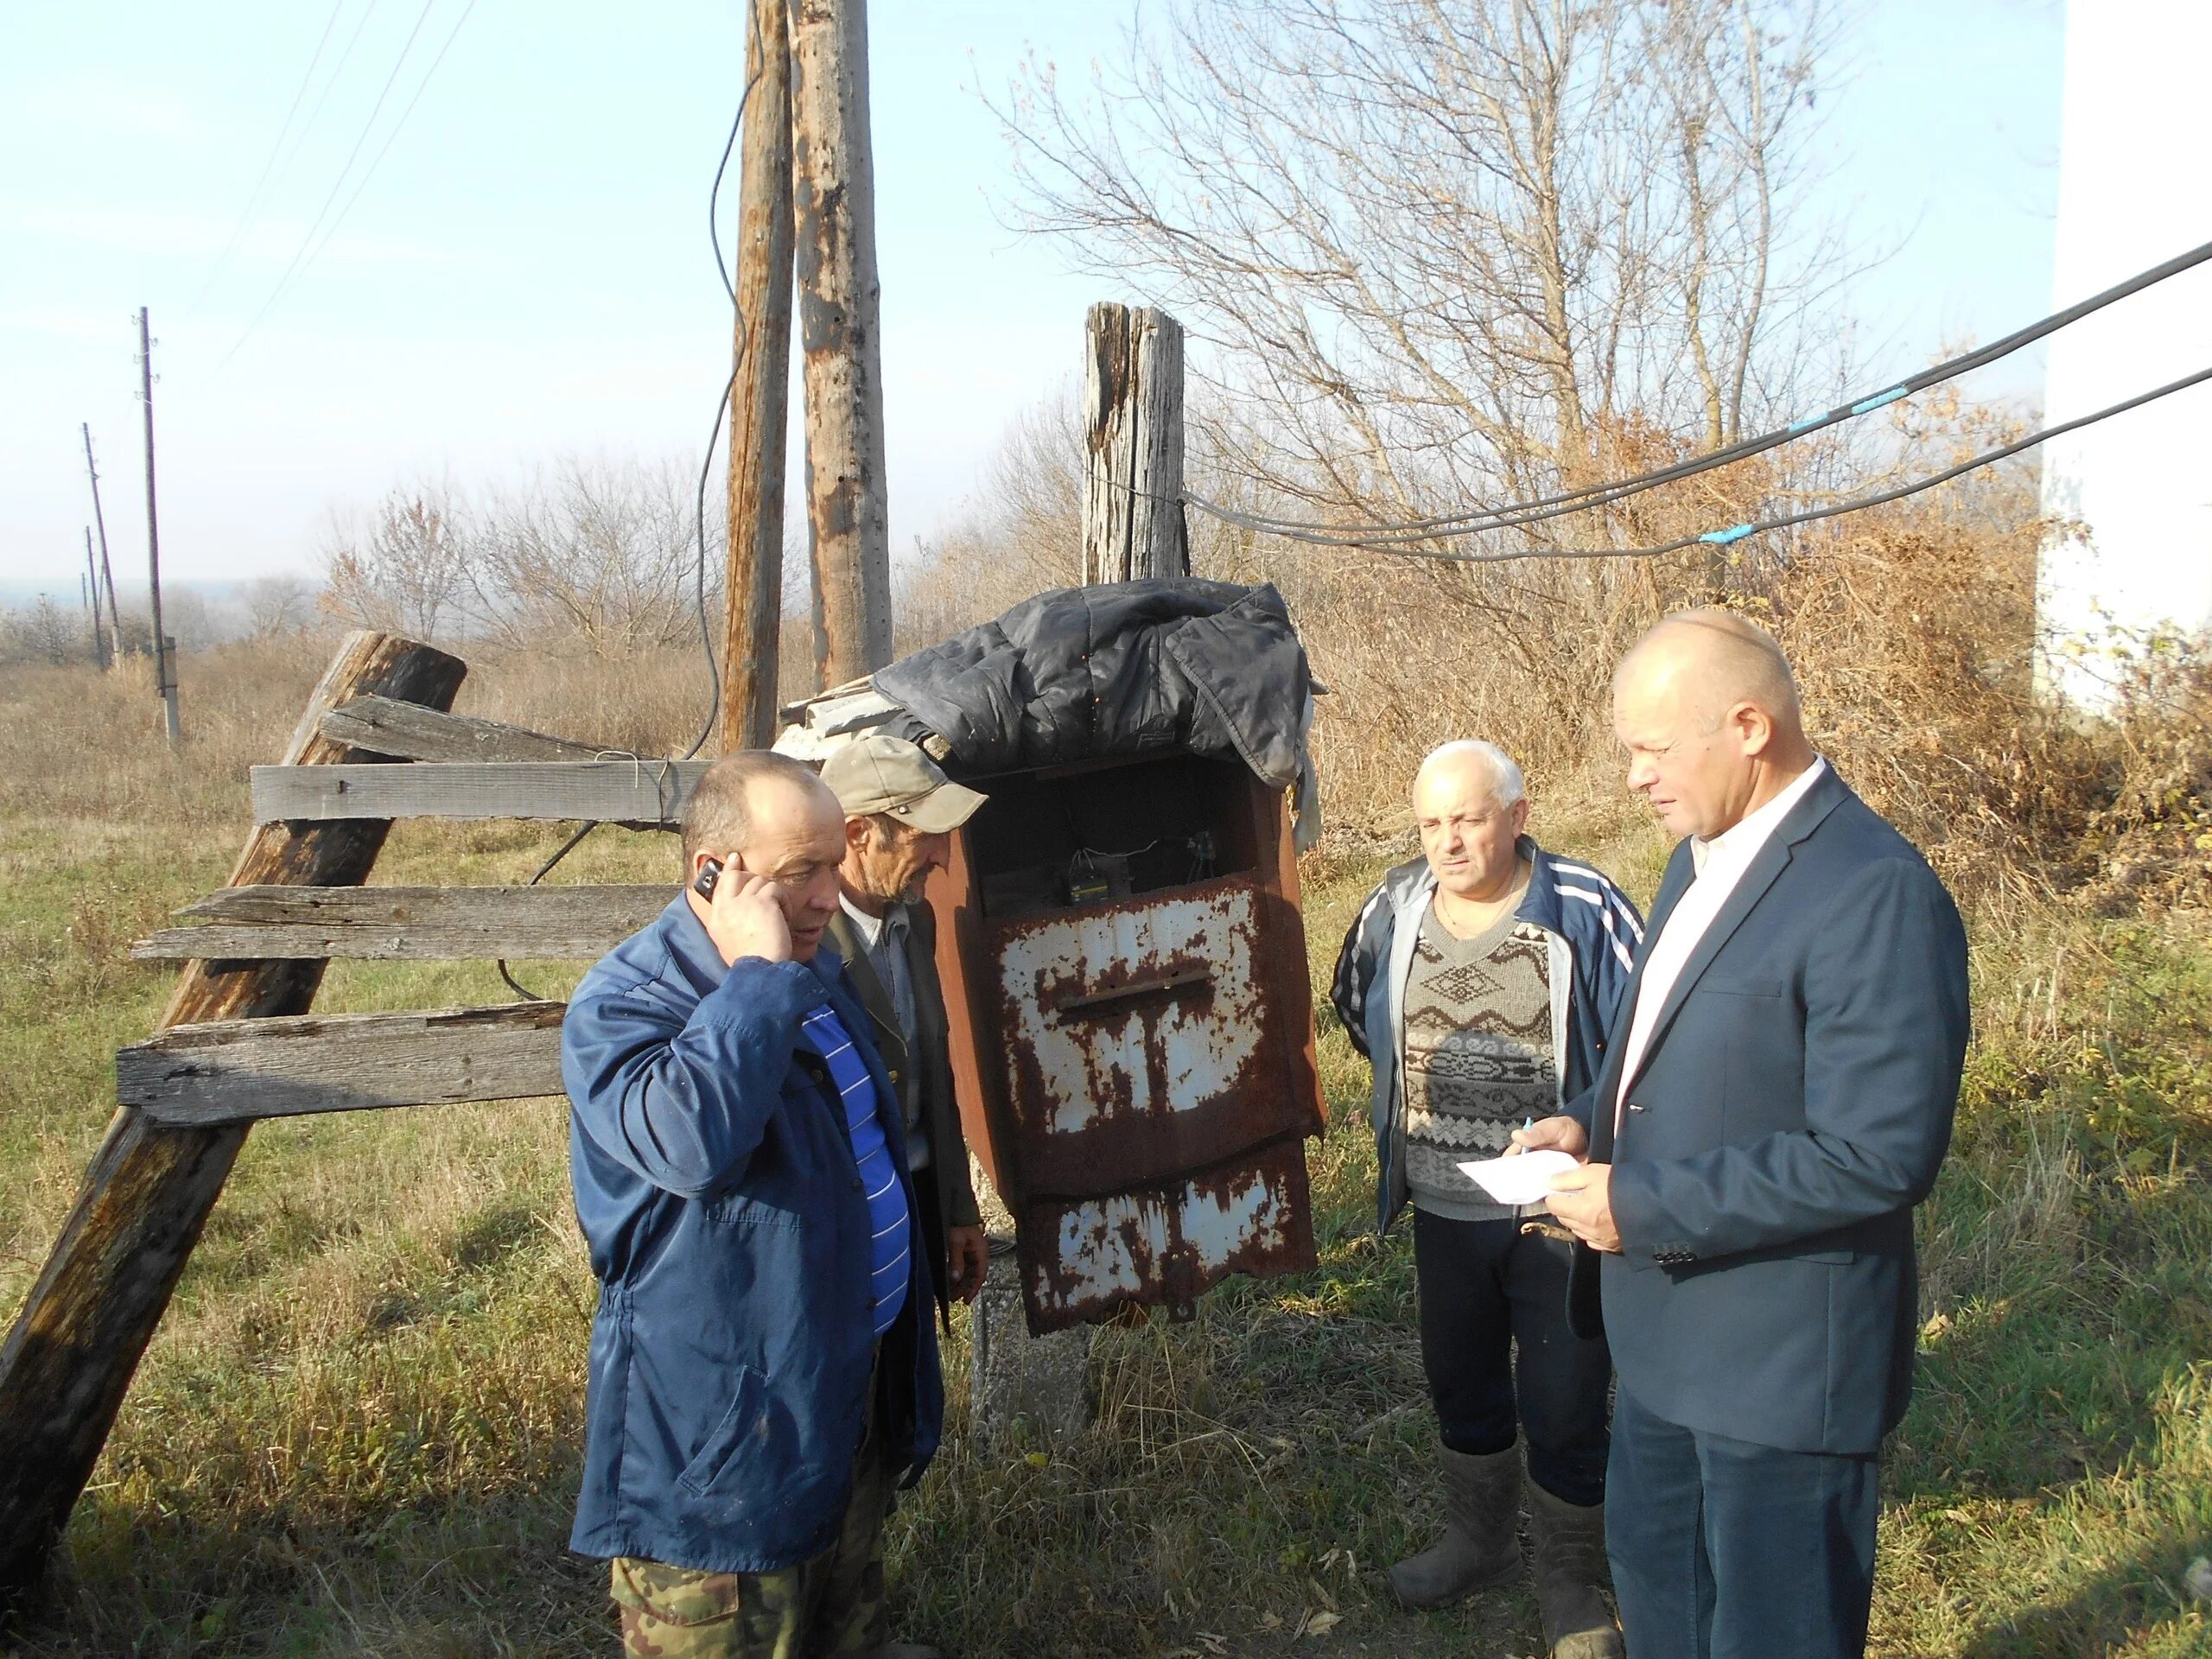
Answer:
(1133, 522)
(833, 195)
(759, 396)
(67, 1361)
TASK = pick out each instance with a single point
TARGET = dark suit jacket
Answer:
(1791, 1109)
(925, 1065)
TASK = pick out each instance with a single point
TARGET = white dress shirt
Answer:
(1719, 865)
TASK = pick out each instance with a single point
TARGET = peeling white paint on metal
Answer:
(1113, 1246)
(1099, 1065)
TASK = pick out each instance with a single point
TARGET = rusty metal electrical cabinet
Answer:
(1124, 965)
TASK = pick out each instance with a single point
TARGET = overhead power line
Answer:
(1477, 520)
(300, 255)
(377, 160)
(269, 167)
(1733, 532)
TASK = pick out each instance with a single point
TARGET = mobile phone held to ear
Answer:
(709, 873)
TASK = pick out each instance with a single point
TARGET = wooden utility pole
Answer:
(64, 1366)
(833, 194)
(164, 656)
(93, 602)
(759, 394)
(1133, 523)
(107, 571)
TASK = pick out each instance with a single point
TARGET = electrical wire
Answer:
(1592, 497)
(742, 339)
(1737, 533)
(383, 149)
(300, 254)
(269, 167)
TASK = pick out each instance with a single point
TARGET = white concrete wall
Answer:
(2134, 189)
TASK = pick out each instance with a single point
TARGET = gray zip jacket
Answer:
(1593, 931)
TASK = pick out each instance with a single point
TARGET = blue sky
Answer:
(526, 273)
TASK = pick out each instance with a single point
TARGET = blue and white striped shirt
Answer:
(887, 1250)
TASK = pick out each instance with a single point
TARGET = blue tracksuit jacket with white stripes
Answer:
(1593, 932)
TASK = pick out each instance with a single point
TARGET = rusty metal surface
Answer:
(1165, 1244)
(1138, 1037)
(1137, 1075)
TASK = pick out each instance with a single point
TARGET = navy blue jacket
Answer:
(1793, 1106)
(715, 1186)
(1592, 931)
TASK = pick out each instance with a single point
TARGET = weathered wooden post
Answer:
(1133, 522)
(760, 395)
(66, 1363)
(833, 194)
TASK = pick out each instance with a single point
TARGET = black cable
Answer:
(566, 848)
(705, 629)
(1737, 533)
(741, 338)
(1592, 497)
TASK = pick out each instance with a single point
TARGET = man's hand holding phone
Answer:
(742, 913)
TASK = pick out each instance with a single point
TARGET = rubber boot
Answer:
(1569, 1542)
(1482, 1501)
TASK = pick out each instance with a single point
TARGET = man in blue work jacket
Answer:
(763, 1367)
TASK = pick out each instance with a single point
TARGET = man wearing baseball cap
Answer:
(900, 811)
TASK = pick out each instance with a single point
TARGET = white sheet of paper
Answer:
(1524, 1180)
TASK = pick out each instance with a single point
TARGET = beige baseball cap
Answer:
(875, 772)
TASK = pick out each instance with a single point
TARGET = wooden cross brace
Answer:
(66, 1364)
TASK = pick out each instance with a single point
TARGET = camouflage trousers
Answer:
(830, 1607)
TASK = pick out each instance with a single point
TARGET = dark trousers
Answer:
(1722, 1549)
(1493, 1333)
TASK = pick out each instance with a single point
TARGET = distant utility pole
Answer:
(833, 194)
(93, 602)
(107, 572)
(164, 653)
(761, 394)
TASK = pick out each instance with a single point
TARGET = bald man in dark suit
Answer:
(1777, 1097)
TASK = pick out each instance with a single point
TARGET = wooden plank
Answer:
(408, 731)
(759, 394)
(68, 1359)
(409, 924)
(238, 1071)
(646, 793)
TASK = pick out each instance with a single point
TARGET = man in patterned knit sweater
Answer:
(1480, 981)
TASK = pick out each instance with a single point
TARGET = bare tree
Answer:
(405, 568)
(596, 552)
(43, 631)
(1453, 254)
(1021, 533)
(1448, 251)
(278, 606)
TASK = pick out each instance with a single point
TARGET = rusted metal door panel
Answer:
(1139, 1037)
(1166, 1244)
(1137, 1074)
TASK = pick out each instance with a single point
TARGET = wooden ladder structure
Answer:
(239, 1041)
